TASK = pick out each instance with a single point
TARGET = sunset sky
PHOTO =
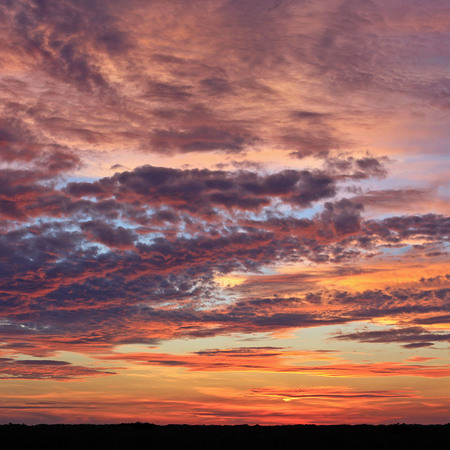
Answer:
(224, 211)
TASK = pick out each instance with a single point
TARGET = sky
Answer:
(224, 212)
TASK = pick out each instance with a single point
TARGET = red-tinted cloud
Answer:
(272, 360)
(44, 369)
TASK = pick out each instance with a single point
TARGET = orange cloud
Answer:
(269, 359)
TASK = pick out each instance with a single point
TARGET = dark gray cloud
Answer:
(344, 216)
(412, 337)
(431, 226)
(44, 369)
(98, 231)
(206, 189)
(358, 168)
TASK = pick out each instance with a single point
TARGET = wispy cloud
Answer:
(46, 369)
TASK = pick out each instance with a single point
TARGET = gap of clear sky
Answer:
(223, 211)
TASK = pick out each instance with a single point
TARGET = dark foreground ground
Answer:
(148, 436)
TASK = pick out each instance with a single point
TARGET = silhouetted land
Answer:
(148, 436)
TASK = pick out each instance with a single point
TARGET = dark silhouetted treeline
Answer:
(181, 437)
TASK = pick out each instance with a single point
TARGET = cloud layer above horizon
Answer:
(235, 211)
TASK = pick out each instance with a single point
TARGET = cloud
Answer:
(96, 283)
(273, 361)
(98, 231)
(329, 392)
(213, 80)
(60, 38)
(46, 370)
(394, 199)
(206, 189)
(21, 144)
(203, 139)
(233, 359)
(343, 216)
(444, 318)
(413, 337)
(396, 228)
